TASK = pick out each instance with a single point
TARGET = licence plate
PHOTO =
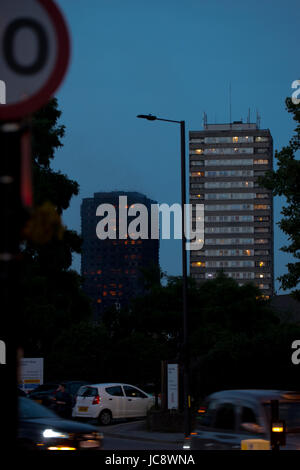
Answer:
(89, 444)
(38, 401)
(83, 409)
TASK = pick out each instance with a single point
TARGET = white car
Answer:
(111, 400)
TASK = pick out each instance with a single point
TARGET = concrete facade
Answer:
(112, 268)
(225, 161)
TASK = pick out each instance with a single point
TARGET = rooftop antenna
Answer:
(230, 103)
(257, 119)
(248, 118)
(205, 120)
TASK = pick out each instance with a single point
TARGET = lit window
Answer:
(198, 264)
(261, 264)
(199, 150)
(261, 207)
(99, 301)
(235, 139)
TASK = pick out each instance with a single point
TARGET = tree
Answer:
(285, 181)
(52, 293)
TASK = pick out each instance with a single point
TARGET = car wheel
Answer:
(105, 417)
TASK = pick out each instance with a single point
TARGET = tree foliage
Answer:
(285, 181)
(52, 294)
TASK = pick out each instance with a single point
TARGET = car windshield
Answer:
(28, 409)
(288, 412)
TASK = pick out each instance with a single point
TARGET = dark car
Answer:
(231, 416)
(43, 393)
(41, 429)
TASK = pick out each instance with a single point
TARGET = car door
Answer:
(250, 424)
(116, 401)
(135, 403)
(224, 435)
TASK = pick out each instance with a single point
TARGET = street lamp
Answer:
(185, 348)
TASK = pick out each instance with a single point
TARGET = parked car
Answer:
(43, 393)
(230, 416)
(111, 400)
(41, 429)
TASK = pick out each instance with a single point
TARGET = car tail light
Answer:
(96, 400)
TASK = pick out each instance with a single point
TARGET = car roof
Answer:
(256, 395)
(109, 384)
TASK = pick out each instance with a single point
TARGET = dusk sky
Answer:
(174, 59)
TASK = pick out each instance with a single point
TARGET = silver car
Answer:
(230, 416)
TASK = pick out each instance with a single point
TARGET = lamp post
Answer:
(185, 347)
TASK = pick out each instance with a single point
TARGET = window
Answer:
(115, 391)
(228, 218)
(198, 264)
(261, 264)
(238, 162)
(264, 286)
(261, 162)
(261, 207)
(262, 195)
(197, 173)
(88, 392)
(227, 150)
(262, 229)
(133, 392)
(261, 241)
(247, 416)
(217, 196)
(225, 417)
(261, 138)
(229, 264)
(229, 207)
(263, 218)
(229, 241)
(263, 275)
(234, 229)
(229, 184)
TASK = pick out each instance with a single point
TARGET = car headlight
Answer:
(50, 433)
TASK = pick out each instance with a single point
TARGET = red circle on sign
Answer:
(10, 112)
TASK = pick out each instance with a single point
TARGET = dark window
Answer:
(115, 391)
(133, 392)
(248, 415)
(88, 392)
(225, 417)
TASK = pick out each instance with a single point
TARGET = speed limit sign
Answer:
(34, 55)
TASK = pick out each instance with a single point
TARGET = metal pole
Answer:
(185, 345)
(11, 220)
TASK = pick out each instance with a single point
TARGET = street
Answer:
(115, 443)
(133, 435)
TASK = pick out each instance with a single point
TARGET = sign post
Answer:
(34, 56)
(173, 386)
